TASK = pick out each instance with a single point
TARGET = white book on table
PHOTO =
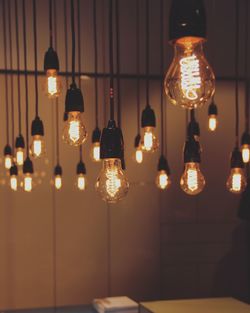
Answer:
(115, 305)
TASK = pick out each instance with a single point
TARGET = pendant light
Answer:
(96, 134)
(149, 141)
(245, 138)
(137, 142)
(112, 184)
(236, 182)
(162, 180)
(19, 144)
(37, 147)
(81, 181)
(212, 116)
(28, 169)
(74, 132)
(7, 149)
(52, 84)
(190, 81)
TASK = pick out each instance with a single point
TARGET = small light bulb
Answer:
(162, 180)
(112, 183)
(19, 156)
(95, 152)
(7, 161)
(74, 132)
(28, 184)
(212, 122)
(192, 181)
(53, 85)
(149, 141)
(81, 182)
(13, 182)
(245, 150)
(138, 155)
(58, 182)
(37, 148)
(236, 182)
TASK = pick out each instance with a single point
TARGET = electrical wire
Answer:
(95, 62)
(246, 70)
(147, 52)
(118, 63)
(35, 56)
(237, 73)
(79, 41)
(73, 40)
(138, 100)
(111, 65)
(50, 24)
(162, 70)
(66, 41)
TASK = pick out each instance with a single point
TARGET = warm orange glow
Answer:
(212, 122)
(236, 182)
(245, 150)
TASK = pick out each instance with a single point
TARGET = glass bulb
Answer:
(162, 180)
(7, 161)
(81, 182)
(53, 84)
(149, 142)
(28, 183)
(190, 81)
(245, 150)
(58, 182)
(37, 147)
(138, 155)
(192, 181)
(236, 182)
(74, 132)
(13, 182)
(19, 156)
(212, 122)
(95, 152)
(112, 183)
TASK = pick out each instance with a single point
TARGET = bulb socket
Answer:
(111, 145)
(212, 109)
(20, 142)
(192, 151)
(51, 61)
(245, 138)
(7, 150)
(236, 159)
(148, 117)
(80, 168)
(28, 166)
(58, 170)
(137, 140)
(187, 19)
(163, 165)
(13, 170)
(74, 100)
(123, 163)
(193, 128)
(96, 135)
(37, 127)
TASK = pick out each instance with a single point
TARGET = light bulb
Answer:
(112, 183)
(81, 182)
(13, 182)
(58, 182)
(236, 182)
(245, 150)
(74, 132)
(212, 122)
(162, 180)
(19, 156)
(28, 183)
(190, 81)
(37, 147)
(192, 181)
(149, 142)
(95, 152)
(138, 155)
(53, 85)
(7, 161)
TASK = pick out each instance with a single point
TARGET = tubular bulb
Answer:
(81, 182)
(37, 147)
(53, 85)
(28, 182)
(212, 123)
(19, 156)
(13, 182)
(236, 182)
(7, 161)
(95, 152)
(192, 181)
(245, 150)
(58, 182)
(149, 142)
(139, 155)
(162, 180)
(74, 132)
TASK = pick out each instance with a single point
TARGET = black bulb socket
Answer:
(58, 170)
(187, 19)
(193, 128)
(7, 150)
(236, 159)
(96, 135)
(245, 138)
(20, 142)
(163, 165)
(80, 168)
(28, 166)
(137, 141)
(51, 61)
(37, 127)
(148, 117)
(212, 109)
(192, 151)
(13, 170)
(74, 100)
(112, 145)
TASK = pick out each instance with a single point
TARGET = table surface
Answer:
(69, 309)
(212, 305)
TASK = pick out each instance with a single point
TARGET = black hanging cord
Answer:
(118, 63)
(111, 65)
(6, 77)
(138, 65)
(50, 24)
(57, 104)
(95, 62)
(66, 41)
(79, 41)
(80, 152)
(18, 74)
(237, 72)
(147, 52)
(35, 54)
(73, 40)
(26, 78)
(246, 69)
(162, 71)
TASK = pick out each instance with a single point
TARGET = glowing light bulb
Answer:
(19, 156)
(192, 181)
(37, 148)
(236, 182)
(58, 182)
(149, 142)
(245, 150)
(112, 184)
(53, 85)
(95, 152)
(74, 132)
(139, 155)
(81, 182)
(190, 81)
(212, 123)
(13, 182)
(7, 161)
(162, 180)
(28, 183)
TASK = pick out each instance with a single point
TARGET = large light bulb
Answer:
(74, 132)
(236, 182)
(162, 180)
(112, 183)
(37, 147)
(13, 182)
(28, 184)
(81, 182)
(139, 155)
(212, 122)
(190, 81)
(58, 182)
(53, 85)
(7, 161)
(245, 150)
(149, 142)
(19, 156)
(95, 152)
(192, 181)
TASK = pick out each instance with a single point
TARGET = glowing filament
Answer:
(192, 179)
(190, 76)
(19, 156)
(58, 182)
(96, 152)
(52, 85)
(113, 183)
(81, 182)
(246, 153)
(148, 141)
(27, 183)
(13, 183)
(7, 162)
(236, 182)
(139, 155)
(212, 122)
(37, 147)
(163, 180)
(74, 131)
